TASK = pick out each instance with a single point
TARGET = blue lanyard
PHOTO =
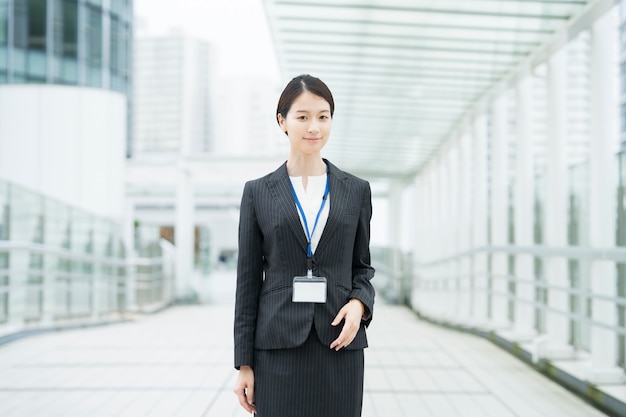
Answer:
(309, 234)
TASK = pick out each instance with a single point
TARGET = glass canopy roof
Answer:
(405, 73)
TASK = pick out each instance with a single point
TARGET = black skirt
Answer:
(308, 381)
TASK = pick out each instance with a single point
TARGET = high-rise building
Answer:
(172, 105)
(247, 120)
(76, 42)
(65, 82)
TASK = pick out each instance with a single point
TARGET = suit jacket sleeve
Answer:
(249, 279)
(362, 271)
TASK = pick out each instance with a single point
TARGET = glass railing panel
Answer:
(80, 281)
(56, 268)
(104, 279)
(62, 263)
(25, 225)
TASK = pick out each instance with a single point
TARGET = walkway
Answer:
(179, 363)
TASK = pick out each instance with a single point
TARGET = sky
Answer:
(237, 30)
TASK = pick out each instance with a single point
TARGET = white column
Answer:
(602, 186)
(395, 235)
(432, 250)
(464, 226)
(499, 210)
(184, 234)
(429, 250)
(556, 209)
(441, 247)
(439, 241)
(129, 244)
(451, 210)
(419, 241)
(523, 199)
(479, 218)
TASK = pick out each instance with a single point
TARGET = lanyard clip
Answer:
(309, 267)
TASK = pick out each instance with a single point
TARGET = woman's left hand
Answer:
(352, 313)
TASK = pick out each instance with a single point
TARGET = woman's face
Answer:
(307, 124)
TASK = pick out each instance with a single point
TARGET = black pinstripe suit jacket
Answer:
(272, 250)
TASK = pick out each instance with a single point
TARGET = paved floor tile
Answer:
(178, 363)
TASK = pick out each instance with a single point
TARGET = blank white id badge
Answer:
(309, 290)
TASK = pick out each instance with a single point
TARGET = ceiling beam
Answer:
(423, 10)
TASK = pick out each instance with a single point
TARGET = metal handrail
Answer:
(536, 283)
(121, 277)
(617, 255)
(570, 252)
(8, 245)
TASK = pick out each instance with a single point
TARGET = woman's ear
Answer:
(281, 122)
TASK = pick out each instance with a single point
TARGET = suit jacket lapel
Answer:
(280, 187)
(339, 197)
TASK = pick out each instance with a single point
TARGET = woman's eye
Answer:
(302, 118)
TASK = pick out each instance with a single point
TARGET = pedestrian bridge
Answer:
(178, 362)
(493, 135)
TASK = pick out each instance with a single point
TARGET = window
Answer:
(93, 37)
(4, 35)
(30, 24)
(4, 23)
(65, 41)
(119, 54)
(29, 40)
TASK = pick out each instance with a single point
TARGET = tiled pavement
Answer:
(179, 363)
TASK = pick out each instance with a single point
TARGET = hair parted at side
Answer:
(299, 85)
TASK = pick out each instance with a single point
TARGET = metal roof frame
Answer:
(408, 74)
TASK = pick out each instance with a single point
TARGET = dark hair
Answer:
(299, 85)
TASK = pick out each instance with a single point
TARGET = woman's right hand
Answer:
(244, 388)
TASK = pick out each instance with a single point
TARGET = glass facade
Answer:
(64, 42)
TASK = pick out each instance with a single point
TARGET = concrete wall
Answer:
(66, 143)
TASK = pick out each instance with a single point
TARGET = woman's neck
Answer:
(305, 166)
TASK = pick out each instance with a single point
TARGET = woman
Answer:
(304, 296)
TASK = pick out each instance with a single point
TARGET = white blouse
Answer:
(311, 201)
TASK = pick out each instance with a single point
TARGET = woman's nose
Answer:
(313, 126)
